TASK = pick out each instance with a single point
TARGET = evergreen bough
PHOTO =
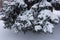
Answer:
(29, 15)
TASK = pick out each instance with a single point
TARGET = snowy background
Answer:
(10, 35)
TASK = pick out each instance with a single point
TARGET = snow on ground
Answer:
(57, 12)
(10, 35)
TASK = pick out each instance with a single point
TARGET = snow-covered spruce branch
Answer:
(22, 15)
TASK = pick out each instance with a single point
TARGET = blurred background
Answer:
(1, 2)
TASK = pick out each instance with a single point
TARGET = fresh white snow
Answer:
(47, 28)
(10, 35)
(57, 12)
